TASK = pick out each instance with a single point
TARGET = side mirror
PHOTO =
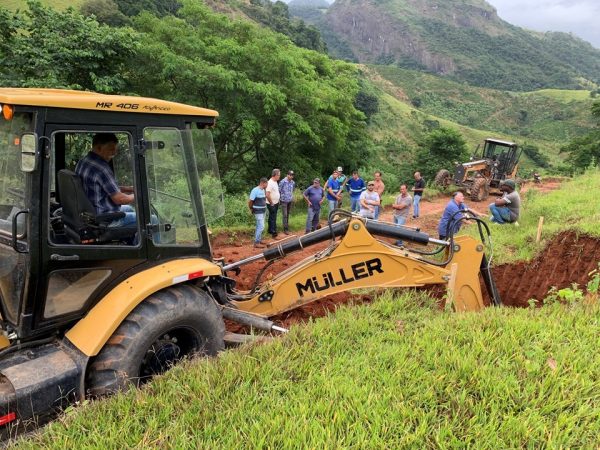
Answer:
(28, 147)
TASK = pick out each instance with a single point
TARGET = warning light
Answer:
(7, 112)
(7, 418)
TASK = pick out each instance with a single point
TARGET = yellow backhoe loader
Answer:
(90, 306)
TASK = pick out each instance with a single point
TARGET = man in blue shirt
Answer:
(100, 184)
(450, 222)
(286, 190)
(355, 186)
(314, 196)
(257, 202)
(333, 188)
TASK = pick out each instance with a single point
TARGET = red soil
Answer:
(567, 259)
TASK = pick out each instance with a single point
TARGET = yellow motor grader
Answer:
(481, 176)
(89, 307)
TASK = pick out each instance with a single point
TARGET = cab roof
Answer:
(498, 141)
(63, 98)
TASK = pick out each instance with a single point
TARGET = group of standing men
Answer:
(269, 195)
(365, 199)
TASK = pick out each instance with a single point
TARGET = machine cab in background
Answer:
(60, 252)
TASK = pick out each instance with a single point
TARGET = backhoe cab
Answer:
(89, 307)
(499, 160)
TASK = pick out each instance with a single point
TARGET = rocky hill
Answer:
(461, 39)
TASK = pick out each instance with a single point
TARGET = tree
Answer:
(585, 151)
(439, 149)
(105, 11)
(280, 105)
(64, 50)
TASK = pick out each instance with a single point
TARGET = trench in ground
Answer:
(568, 258)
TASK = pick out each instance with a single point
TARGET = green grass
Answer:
(56, 4)
(394, 374)
(572, 207)
(563, 95)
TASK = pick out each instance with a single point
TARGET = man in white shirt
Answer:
(369, 201)
(272, 193)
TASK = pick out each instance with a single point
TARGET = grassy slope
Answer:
(394, 374)
(551, 116)
(56, 4)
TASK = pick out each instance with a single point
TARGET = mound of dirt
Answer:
(567, 259)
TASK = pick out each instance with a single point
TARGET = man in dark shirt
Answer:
(418, 189)
(100, 184)
(314, 196)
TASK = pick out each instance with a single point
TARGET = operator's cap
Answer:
(339, 169)
(290, 172)
(509, 183)
(316, 180)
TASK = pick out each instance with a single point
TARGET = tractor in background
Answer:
(481, 176)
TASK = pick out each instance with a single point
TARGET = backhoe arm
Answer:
(359, 260)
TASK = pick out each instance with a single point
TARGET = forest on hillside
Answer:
(281, 104)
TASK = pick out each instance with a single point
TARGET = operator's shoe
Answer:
(259, 245)
(286, 232)
(516, 223)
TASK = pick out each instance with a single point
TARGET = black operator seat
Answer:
(81, 223)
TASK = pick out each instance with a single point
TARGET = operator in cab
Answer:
(100, 184)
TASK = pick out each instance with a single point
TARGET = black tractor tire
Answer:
(480, 189)
(443, 178)
(168, 325)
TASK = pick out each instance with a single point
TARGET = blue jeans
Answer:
(416, 202)
(399, 220)
(312, 218)
(332, 204)
(377, 212)
(129, 219)
(260, 226)
(500, 214)
(354, 204)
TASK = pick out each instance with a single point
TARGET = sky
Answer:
(579, 17)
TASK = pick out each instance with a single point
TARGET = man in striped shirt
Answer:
(100, 184)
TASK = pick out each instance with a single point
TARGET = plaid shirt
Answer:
(286, 189)
(99, 182)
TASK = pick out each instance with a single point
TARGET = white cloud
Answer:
(576, 16)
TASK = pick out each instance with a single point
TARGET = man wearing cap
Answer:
(286, 191)
(369, 201)
(343, 179)
(507, 208)
(314, 197)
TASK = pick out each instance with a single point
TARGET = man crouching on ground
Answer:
(507, 208)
